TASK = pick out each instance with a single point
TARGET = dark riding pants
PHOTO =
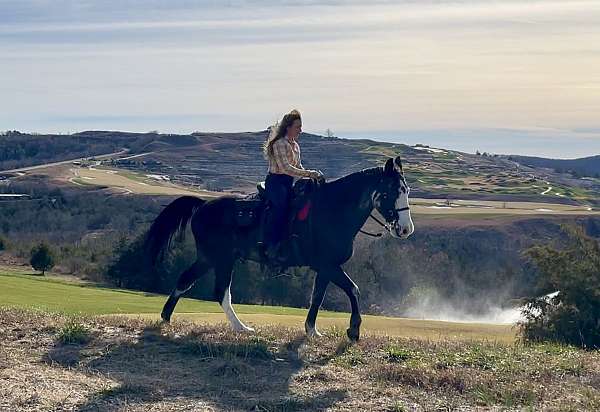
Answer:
(278, 191)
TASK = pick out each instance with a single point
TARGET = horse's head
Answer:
(391, 199)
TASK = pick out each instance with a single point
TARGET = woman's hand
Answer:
(317, 175)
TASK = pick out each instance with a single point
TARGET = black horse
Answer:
(338, 210)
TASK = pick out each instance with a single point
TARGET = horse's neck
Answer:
(353, 195)
(364, 210)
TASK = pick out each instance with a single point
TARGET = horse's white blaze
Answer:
(236, 323)
(404, 220)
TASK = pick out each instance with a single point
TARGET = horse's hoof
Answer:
(166, 316)
(353, 334)
(243, 329)
(313, 333)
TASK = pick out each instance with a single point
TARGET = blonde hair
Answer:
(279, 130)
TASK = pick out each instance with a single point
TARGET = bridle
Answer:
(386, 225)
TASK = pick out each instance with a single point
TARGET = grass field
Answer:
(20, 289)
(70, 354)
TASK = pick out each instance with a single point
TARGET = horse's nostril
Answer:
(404, 231)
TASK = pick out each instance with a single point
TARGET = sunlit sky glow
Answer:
(506, 77)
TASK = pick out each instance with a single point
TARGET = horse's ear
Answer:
(389, 166)
(398, 162)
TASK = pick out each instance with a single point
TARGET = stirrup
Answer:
(260, 186)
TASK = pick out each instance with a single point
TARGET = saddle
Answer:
(250, 210)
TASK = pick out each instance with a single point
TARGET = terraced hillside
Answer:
(234, 162)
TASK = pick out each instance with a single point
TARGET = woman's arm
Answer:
(281, 151)
(317, 174)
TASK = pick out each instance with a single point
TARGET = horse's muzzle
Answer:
(400, 232)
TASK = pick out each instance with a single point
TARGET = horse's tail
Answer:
(170, 222)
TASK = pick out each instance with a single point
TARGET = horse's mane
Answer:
(355, 179)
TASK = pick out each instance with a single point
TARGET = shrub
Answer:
(73, 332)
(42, 257)
(572, 315)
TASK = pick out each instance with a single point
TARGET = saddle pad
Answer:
(303, 212)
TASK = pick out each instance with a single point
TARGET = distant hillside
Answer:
(234, 162)
(586, 166)
(22, 149)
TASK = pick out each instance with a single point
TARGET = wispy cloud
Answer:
(348, 65)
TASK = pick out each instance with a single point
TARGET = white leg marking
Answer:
(313, 332)
(236, 323)
(176, 293)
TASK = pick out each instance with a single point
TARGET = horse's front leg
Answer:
(318, 293)
(341, 279)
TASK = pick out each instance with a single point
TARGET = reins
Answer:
(374, 234)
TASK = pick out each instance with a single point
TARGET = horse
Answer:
(339, 209)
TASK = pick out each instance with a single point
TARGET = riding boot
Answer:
(273, 253)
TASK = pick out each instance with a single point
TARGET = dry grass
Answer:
(136, 364)
(130, 182)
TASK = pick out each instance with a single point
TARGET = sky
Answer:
(512, 77)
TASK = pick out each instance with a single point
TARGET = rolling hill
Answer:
(585, 166)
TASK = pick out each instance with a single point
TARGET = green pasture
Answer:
(24, 289)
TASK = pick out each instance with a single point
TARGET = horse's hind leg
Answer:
(222, 295)
(184, 283)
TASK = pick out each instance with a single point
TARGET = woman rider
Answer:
(283, 153)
